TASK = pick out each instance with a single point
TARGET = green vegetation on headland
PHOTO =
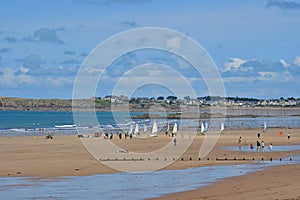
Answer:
(9, 103)
(123, 103)
(99, 104)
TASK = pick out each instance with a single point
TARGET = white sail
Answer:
(202, 127)
(205, 127)
(154, 128)
(136, 130)
(145, 128)
(175, 128)
(265, 127)
(222, 127)
(130, 129)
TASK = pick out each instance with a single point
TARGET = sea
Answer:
(16, 123)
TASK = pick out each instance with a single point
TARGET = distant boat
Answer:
(265, 124)
(65, 127)
(136, 130)
(154, 130)
(175, 128)
(202, 128)
(222, 127)
(167, 127)
(205, 127)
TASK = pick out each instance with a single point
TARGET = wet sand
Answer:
(66, 155)
(280, 182)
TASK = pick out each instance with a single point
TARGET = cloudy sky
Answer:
(255, 44)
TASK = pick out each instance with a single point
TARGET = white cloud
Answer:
(297, 61)
(153, 74)
(173, 43)
(48, 35)
(274, 76)
(283, 4)
(285, 64)
(93, 70)
(11, 80)
(238, 66)
(20, 78)
(278, 77)
(239, 79)
(60, 81)
(233, 64)
(24, 70)
(31, 61)
(267, 75)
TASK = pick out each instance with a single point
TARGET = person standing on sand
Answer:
(251, 147)
(270, 147)
(240, 140)
(258, 135)
(258, 146)
(240, 143)
(262, 146)
(175, 141)
(289, 136)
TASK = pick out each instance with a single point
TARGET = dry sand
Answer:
(66, 156)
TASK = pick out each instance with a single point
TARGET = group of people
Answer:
(109, 136)
(260, 144)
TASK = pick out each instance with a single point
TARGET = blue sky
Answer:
(255, 44)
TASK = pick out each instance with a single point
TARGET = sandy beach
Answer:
(66, 155)
(38, 157)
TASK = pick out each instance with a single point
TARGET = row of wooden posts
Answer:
(182, 159)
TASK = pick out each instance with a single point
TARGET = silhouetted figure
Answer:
(258, 146)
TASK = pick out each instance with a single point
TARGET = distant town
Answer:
(169, 103)
(207, 101)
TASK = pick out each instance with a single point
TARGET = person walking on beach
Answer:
(251, 147)
(262, 146)
(289, 136)
(175, 141)
(258, 146)
(270, 147)
(258, 135)
(240, 143)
